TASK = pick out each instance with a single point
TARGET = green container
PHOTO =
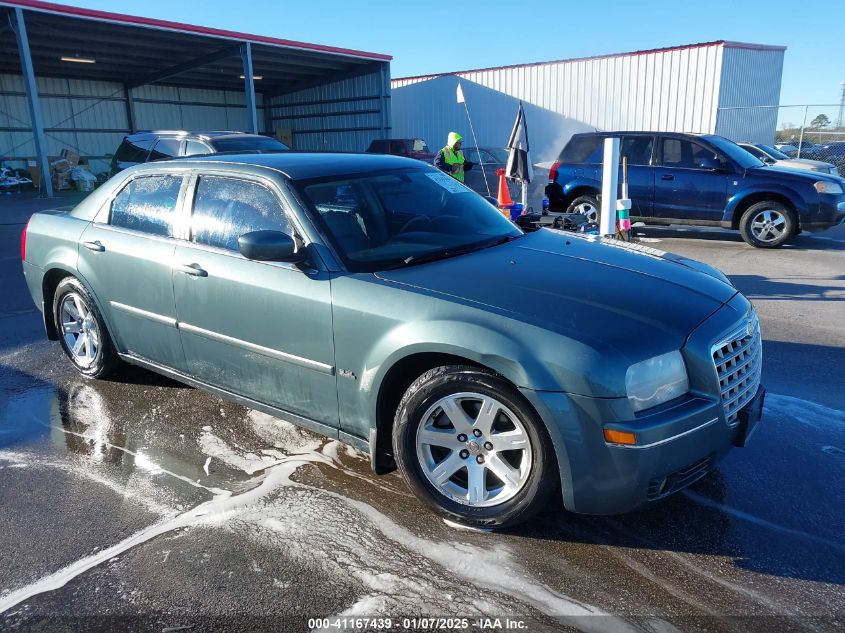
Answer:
(623, 214)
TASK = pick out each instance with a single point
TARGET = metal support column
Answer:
(249, 89)
(32, 100)
(130, 109)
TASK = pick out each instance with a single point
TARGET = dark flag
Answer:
(518, 167)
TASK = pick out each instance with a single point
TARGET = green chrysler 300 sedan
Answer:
(376, 300)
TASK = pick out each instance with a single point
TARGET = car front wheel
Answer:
(767, 224)
(472, 449)
(82, 331)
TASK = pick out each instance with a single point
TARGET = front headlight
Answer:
(823, 186)
(656, 380)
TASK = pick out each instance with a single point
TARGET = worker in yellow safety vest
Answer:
(451, 159)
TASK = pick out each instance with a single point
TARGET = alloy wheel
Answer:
(79, 329)
(473, 449)
(768, 225)
(588, 210)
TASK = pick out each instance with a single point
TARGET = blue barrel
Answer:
(516, 210)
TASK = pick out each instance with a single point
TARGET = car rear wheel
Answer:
(767, 224)
(82, 331)
(472, 449)
(587, 205)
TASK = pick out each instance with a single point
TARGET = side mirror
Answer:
(710, 164)
(269, 246)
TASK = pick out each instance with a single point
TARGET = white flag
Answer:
(460, 94)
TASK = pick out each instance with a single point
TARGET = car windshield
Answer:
(733, 151)
(501, 155)
(402, 217)
(248, 144)
(774, 153)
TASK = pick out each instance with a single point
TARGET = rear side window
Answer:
(397, 147)
(165, 148)
(133, 151)
(378, 147)
(582, 149)
(193, 148)
(147, 204)
(637, 149)
(684, 154)
(225, 208)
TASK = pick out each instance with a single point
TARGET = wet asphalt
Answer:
(142, 504)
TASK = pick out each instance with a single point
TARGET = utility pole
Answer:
(839, 120)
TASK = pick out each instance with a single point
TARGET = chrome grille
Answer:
(738, 359)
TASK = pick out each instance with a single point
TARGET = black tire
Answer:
(784, 223)
(590, 199)
(105, 361)
(542, 475)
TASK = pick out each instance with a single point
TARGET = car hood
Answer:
(601, 292)
(791, 173)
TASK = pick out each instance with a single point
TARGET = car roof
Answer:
(304, 165)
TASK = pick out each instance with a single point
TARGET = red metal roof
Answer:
(120, 18)
(728, 44)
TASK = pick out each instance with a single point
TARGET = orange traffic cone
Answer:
(504, 196)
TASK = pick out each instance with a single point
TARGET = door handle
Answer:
(667, 177)
(94, 246)
(192, 269)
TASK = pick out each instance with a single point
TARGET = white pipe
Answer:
(609, 187)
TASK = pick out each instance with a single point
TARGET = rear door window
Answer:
(165, 148)
(397, 147)
(226, 207)
(147, 204)
(637, 149)
(684, 154)
(582, 149)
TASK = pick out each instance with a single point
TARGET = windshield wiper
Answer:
(452, 252)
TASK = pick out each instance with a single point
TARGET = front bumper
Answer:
(833, 213)
(676, 443)
(676, 447)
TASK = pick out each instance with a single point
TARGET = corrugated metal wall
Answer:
(665, 90)
(343, 115)
(90, 117)
(750, 78)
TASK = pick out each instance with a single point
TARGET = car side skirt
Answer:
(307, 423)
(668, 221)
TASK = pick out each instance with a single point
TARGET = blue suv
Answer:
(699, 179)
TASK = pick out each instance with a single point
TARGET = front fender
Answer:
(475, 342)
(737, 200)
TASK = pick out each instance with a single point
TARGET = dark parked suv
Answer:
(144, 147)
(699, 179)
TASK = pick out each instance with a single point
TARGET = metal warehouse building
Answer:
(81, 79)
(697, 88)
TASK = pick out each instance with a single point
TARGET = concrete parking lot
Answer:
(145, 504)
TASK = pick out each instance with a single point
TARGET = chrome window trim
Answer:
(259, 349)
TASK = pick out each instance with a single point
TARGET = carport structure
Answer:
(79, 78)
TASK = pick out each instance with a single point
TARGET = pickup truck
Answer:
(699, 179)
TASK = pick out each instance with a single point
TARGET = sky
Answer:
(431, 37)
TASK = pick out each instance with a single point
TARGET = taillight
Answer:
(553, 171)
(23, 242)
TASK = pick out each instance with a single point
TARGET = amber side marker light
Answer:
(619, 437)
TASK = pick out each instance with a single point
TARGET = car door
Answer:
(262, 330)
(126, 256)
(683, 190)
(638, 149)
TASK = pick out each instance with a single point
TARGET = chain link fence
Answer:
(812, 134)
